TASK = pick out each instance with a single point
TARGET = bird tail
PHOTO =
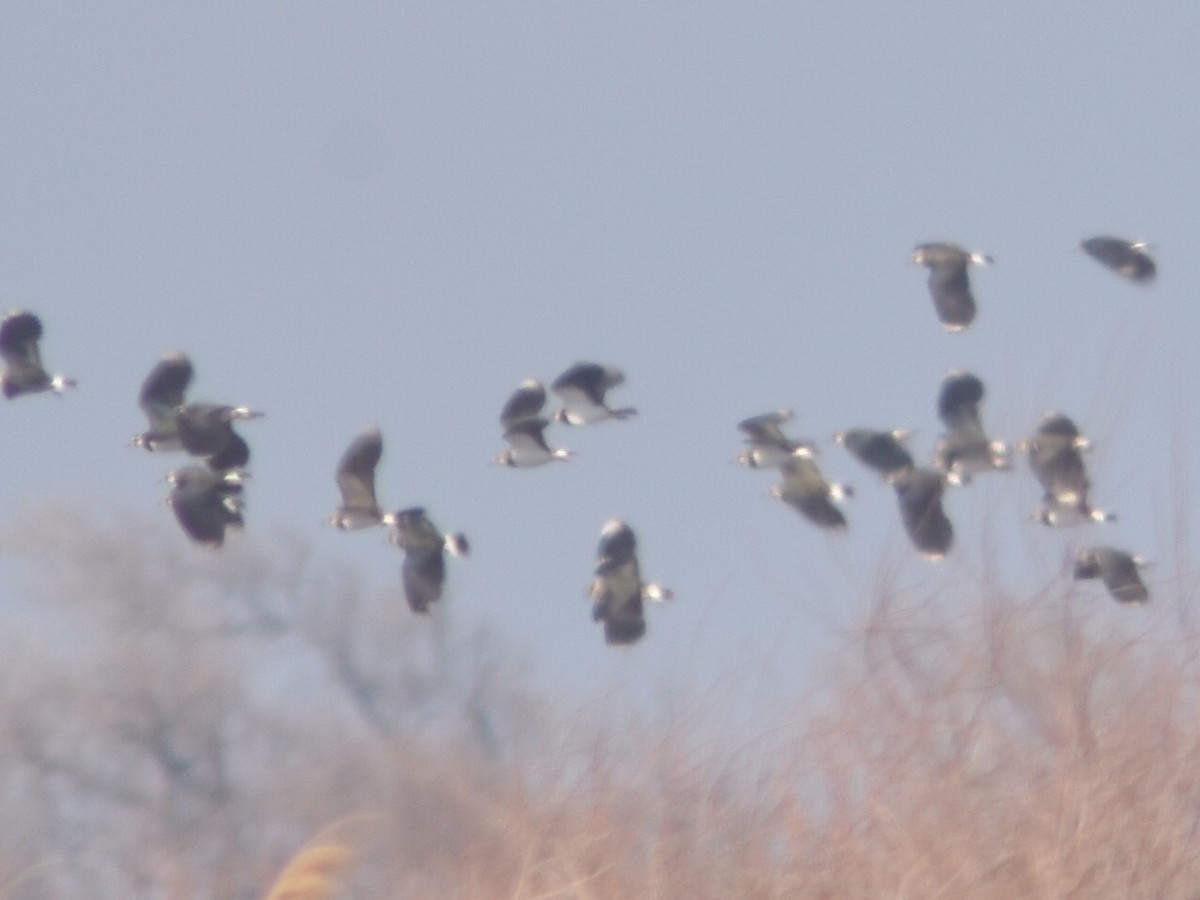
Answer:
(624, 412)
(656, 593)
(955, 477)
(1001, 455)
(245, 412)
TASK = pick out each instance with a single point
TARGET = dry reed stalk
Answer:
(311, 874)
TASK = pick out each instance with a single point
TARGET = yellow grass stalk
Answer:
(311, 874)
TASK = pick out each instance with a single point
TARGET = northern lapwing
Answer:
(617, 589)
(20, 332)
(949, 285)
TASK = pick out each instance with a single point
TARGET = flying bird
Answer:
(206, 431)
(424, 569)
(807, 491)
(920, 494)
(769, 447)
(356, 481)
(582, 389)
(949, 285)
(883, 451)
(203, 430)
(617, 590)
(1117, 568)
(1127, 258)
(161, 396)
(527, 445)
(525, 429)
(965, 449)
(206, 502)
(20, 332)
(1056, 458)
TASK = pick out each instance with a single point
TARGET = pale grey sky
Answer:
(352, 213)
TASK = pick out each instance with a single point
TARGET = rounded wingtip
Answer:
(612, 526)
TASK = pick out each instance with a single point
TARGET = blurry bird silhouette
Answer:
(20, 334)
(356, 482)
(617, 589)
(949, 285)
(806, 490)
(1117, 568)
(424, 568)
(965, 449)
(582, 389)
(1127, 258)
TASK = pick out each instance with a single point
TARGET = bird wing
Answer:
(1057, 425)
(807, 491)
(959, 399)
(164, 388)
(586, 383)
(765, 428)
(234, 455)
(528, 437)
(204, 428)
(1059, 468)
(618, 546)
(424, 574)
(920, 494)
(616, 594)
(19, 335)
(950, 289)
(199, 505)
(356, 470)
(1123, 257)
(526, 402)
(1119, 571)
(879, 450)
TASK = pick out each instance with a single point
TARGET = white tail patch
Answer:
(655, 592)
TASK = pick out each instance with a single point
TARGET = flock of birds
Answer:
(207, 495)
(1055, 451)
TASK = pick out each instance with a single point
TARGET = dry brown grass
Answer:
(1036, 748)
(961, 743)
